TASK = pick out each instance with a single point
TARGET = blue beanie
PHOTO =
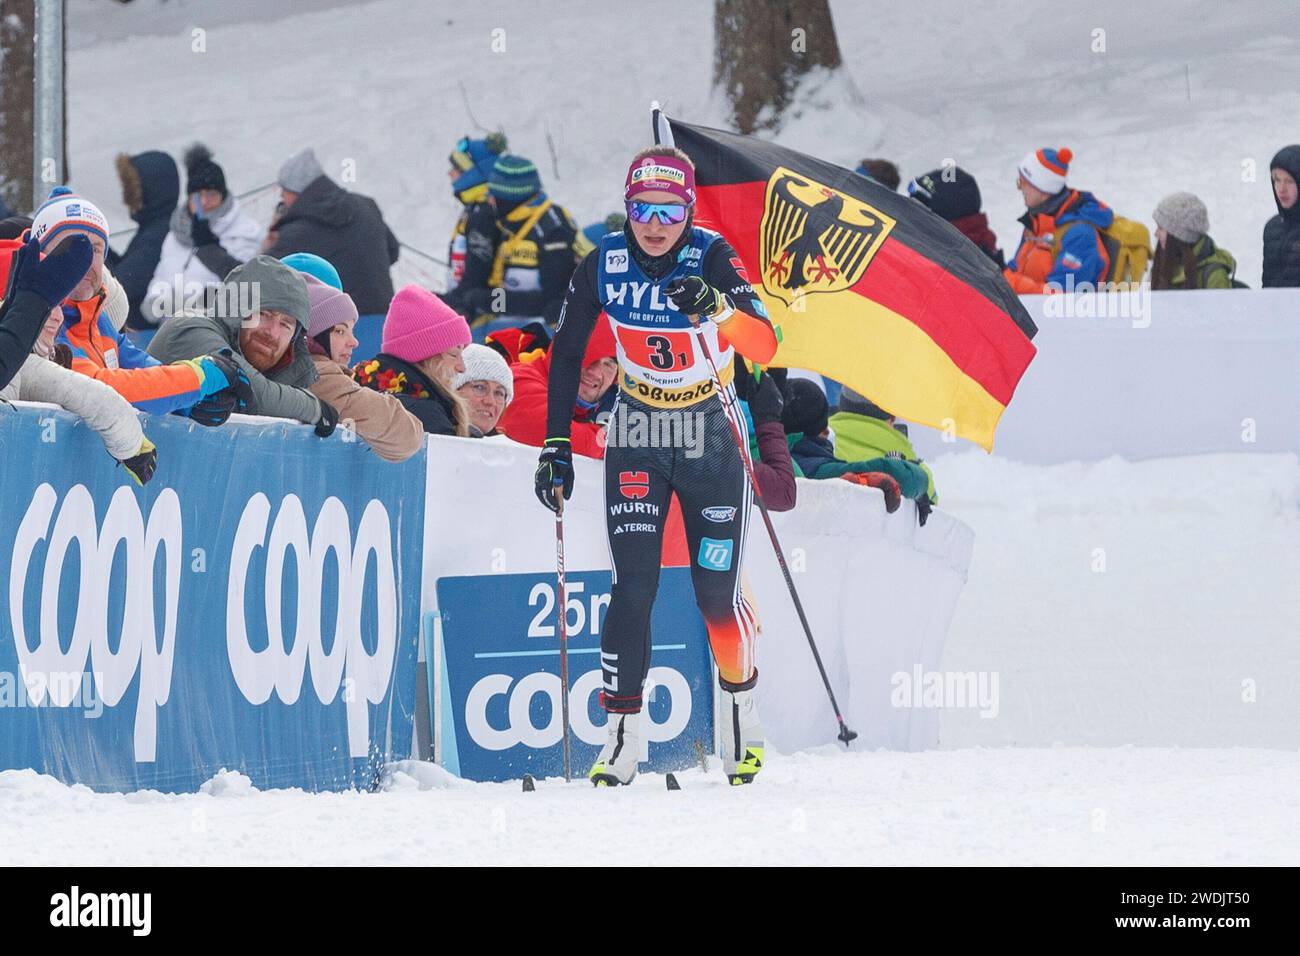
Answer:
(514, 179)
(475, 158)
(314, 265)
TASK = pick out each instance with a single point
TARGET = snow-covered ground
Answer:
(1170, 678)
(1059, 807)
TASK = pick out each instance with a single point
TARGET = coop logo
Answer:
(282, 665)
(520, 729)
(124, 529)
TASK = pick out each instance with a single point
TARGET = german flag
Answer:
(865, 285)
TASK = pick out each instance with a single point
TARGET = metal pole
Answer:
(47, 104)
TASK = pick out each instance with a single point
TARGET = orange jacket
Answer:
(104, 354)
(1046, 258)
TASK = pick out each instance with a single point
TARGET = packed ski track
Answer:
(1057, 806)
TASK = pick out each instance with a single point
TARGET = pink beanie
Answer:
(329, 307)
(420, 325)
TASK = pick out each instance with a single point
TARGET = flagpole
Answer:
(663, 136)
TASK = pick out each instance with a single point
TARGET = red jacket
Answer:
(524, 419)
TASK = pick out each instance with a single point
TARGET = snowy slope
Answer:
(379, 84)
(1058, 807)
(1185, 637)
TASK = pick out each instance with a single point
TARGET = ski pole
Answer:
(845, 734)
(563, 615)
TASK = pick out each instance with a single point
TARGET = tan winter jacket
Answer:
(393, 432)
(118, 424)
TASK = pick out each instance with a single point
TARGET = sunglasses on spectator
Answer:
(481, 389)
(669, 213)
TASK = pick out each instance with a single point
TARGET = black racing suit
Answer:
(668, 433)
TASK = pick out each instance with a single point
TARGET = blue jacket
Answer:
(1079, 251)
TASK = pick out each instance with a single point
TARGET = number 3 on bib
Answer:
(663, 351)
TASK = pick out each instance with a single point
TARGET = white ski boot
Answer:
(742, 733)
(617, 761)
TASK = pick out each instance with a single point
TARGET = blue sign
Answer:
(249, 609)
(499, 712)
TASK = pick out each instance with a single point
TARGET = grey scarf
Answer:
(182, 223)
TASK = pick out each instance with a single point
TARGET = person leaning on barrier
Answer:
(31, 290)
(261, 314)
(487, 388)
(525, 419)
(419, 358)
(204, 387)
(389, 429)
(819, 453)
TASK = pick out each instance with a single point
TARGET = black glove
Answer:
(923, 509)
(213, 410)
(142, 464)
(53, 277)
(201, 232)
(766, 404)
(554, 469)
(239, 386)
(694, 296)
(328, 421)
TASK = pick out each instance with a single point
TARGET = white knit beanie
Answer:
(483, 364)
(1046, 169)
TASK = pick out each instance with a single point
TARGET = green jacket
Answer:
(1215, 266)
(860, 438)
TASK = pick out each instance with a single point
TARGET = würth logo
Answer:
(74, 909)
(634, 484)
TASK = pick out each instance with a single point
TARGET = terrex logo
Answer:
(634, 484)
(282, 665)
(139, 649)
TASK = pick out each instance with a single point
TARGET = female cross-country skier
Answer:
(649, 279)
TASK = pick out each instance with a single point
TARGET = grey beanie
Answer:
(300, 170)
(271, 285)
(1183, 216)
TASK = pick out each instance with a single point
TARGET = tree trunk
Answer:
(17, 135)
(762, 48)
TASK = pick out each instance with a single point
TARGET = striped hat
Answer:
(1046, 169)
(64, 211)
(514, 179)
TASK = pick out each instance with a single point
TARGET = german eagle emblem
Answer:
(815, 239)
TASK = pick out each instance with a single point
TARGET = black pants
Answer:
(651, 454)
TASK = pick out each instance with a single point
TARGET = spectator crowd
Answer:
(206, 313)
